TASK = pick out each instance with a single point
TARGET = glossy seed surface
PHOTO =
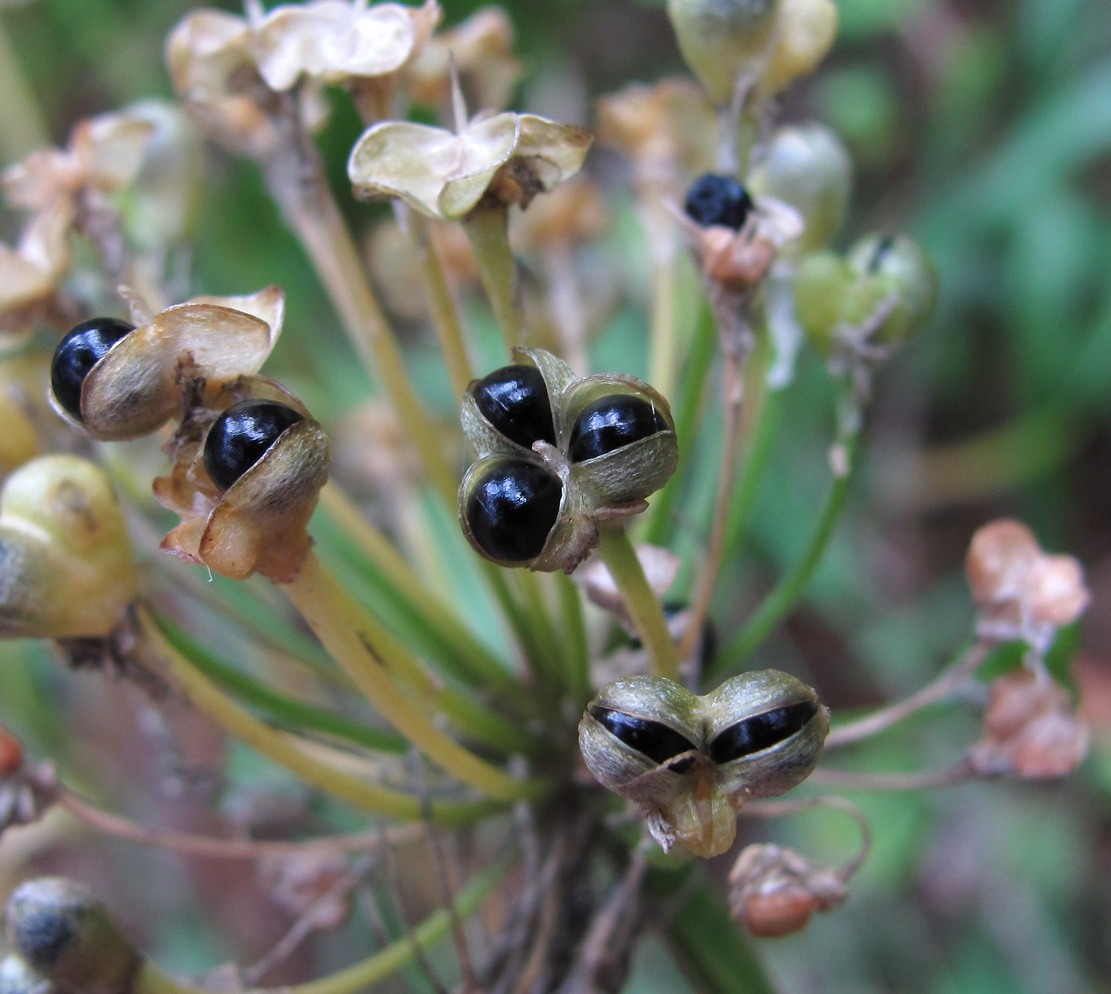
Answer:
(514, 399)
(512, 508)
(240, 437)
(761, 731)
(611, 423)
(82, 348)
(718, 200)
(656, 740)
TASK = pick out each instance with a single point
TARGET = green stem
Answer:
(574, 633)
(783, 596)
(756, 460)
(664, 349)
(238, 722)
(487, 228)
(371, 659)
(644, 606)
(151, 980)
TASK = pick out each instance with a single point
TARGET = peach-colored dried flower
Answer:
(1030, 729)
(774, 891)
(32, 270)
(445, 174)
(1020, 591)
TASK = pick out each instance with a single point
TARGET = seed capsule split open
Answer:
(691, 762)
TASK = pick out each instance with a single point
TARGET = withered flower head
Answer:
(128, 380)
(248, 465)
(26, 791)
(32, 270)
(445, 174)
(1031, 729)
(1020, 591)
(68, 571)
(774, 891)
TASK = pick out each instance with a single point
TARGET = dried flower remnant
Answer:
(26, 792)
(774, 891)
(1031, 729)
(1020, 591)
(31, 272)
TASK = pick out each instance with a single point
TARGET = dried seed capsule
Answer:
(715, 200)
(242, 435)
(510, 508)
(611, 423)
(514, 399)
(81, 349)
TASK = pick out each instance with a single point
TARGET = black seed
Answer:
(514, 399)
(611, 423)
(718, 200)
(512, 509)
(240, 437)
(43, 935)
(761, 731)
(654, 739)
(77, 353)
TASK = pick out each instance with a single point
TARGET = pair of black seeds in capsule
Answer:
(237, 440)
(660, 742)
(515, 505)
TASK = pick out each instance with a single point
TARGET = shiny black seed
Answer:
(77, 353)
(761, 731)
(240, 437)
(717, 200)
(512, 508)
(612, 422)
(514, 399)
(654, 739)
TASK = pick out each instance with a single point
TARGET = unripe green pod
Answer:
(804, 33)
(721, 39)
(807, 166)
(691, 762)
(68, 937)
(901, 269)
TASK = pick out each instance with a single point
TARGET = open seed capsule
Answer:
(81, 349)
(612, 423)
(691, 762)
(509, 507)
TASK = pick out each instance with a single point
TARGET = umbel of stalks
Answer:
(689, 762)
(67, 936)
(558, 456)
(67, 567)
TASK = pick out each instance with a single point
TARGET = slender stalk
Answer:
(151, 980)
(574, 633)
(355, 642)
(396, 570)
(313, 213)
(783, 596)
(487, 229)
(939, 689)
(442, 307)
(207, 697)
(644, 606)
(914, 780)
(663, 334)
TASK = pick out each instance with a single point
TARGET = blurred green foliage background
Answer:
(984, 129)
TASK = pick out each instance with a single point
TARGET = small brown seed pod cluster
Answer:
(557, 456)
(691, 762)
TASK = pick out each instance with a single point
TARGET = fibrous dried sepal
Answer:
(1020, 591)
(258, 524)
(689, 762)
(605, 487)
(67, 570)
(1031, 729)
(774, 891)
(443, 174)
(144, 379)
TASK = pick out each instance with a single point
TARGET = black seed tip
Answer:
(761, 731)
(718, 200)
(611, 423)
(514, 399)
(657, 741)
(241, 436)
(511, 510)
(82, 348)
